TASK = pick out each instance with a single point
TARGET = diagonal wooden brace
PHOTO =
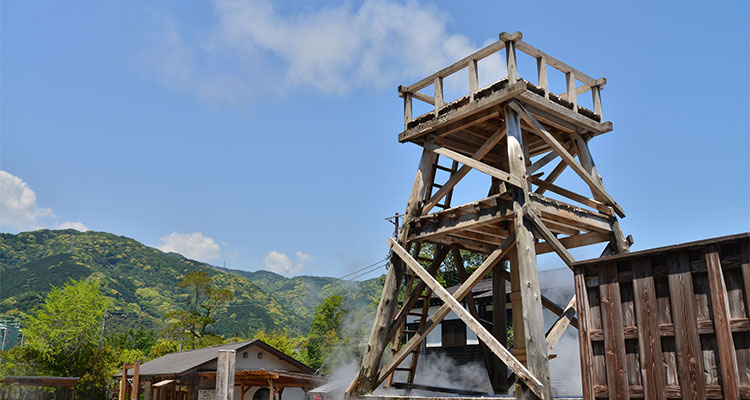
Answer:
(501, 352)
(566, 156)
(455, 178)
(558, 328)
(477, 165)
(434, 321)
(550, 238)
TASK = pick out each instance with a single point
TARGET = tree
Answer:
(325, 331)
(62, 336)
(194, 321)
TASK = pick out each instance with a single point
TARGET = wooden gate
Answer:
(670, 322)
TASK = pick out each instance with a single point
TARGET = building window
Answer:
(453, 332)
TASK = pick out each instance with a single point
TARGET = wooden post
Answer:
(510, 54)
(366, 379)
(519, 344)
(533, 320)
(438, 84)
(541, 69)
(225, 375)
(596, 98)
(619, 243)
(123, 382)
(499, 325)
(194, 384)
(136, 381)
(473, 79)
(148, 390)
(570, 81)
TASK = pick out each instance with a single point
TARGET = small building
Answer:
(260, 369)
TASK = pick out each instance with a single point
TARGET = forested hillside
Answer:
(143, 282)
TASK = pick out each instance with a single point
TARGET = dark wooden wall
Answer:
(671, 322)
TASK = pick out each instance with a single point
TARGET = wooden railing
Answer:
(509, 42)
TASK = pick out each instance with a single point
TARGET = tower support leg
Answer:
(382, 332)
(528, 276)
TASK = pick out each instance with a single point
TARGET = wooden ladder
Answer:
(412, 281)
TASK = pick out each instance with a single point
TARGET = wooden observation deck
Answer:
(511, 130)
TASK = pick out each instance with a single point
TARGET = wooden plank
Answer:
(614, 338)
(496, 383)
(553, 175)
(456, 177)
(499, 324)
(478, 165)
(545, 185)
(434, 321)
(585, 349)
(745, 263)
(540, 163)
(225, 367)
(533, 319)
(381, 331)
(552, 61)
(689, 357)
(649, 341)
(558, 328)
(525, 375)
(567, 157)
(457, 66)
(551, 239)
(720, 305)
(570, 242)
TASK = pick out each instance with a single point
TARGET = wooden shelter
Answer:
(511, 130)
(670, 322)
(187, 375)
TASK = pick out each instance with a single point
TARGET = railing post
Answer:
(407, 106)
(510, 54)
(473, 79)
(438, 94)
(541, 67)
(596, 96)
(570, 79)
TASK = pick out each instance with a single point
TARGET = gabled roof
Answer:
(190, 361)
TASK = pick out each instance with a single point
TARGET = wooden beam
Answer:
(478, 165)
(525, 376)
(540, 163)
(544, 185)
(533, 318)
(474, 311)
(720, 305)
(540, 130)
(551, 239)
(558, 328)
(434, 321)
(456, 177)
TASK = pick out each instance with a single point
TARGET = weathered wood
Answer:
(474, 311)
(136, 381)
(499, 325)
(619, 241)
(453, 304)
(552, 240)
(478, 165)
(540, 130)
(649, 341)
(585, 350)
(556, 331)
(473, 78)
(533, 320)
(438, 316)
(225, 367)
(382, 328)
(689, 357)
(614, 339)
(438, 86)
(456, 177)
(571, 93)
(510, 58)
(541, 69)
(719, 302)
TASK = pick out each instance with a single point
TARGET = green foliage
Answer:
(142, 283)
(325, 331)
(138, 339)
(282, 341)
(62, 337)
(164, 346)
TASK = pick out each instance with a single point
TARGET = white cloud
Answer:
(253, 47)
(18, 207)
(282, 264)
(73, 225)
(191, 245)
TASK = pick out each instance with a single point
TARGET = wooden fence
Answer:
(670, 322)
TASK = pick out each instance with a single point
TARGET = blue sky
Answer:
(263, 134)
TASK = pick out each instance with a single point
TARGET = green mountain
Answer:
(142, 281)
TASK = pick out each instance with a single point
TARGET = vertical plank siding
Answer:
(667, 323)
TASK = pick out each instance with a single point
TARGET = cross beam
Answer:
(501, 352)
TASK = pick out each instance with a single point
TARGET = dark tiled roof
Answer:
(183, 362)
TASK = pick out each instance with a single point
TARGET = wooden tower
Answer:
(510, 130)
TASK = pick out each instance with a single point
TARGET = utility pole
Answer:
(101, 337)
